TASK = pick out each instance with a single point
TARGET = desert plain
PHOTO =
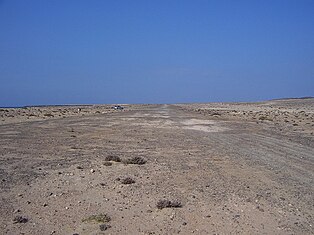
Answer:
(211, 168)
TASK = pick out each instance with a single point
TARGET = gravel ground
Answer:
(161, 169)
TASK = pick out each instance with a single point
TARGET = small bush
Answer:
(104, 227)
(127, 180)
(135, 160)
(107, 163)
(101, 218)
(20, 219)
(113, 158)
(262, 118)
(168, 204)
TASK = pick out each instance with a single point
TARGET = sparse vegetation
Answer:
(264, 118)
(20, 219)
(135, 160)
(113, 158)
(161, 204)
(104, 227)
(107, 163)
(101, 218)
(127, 180)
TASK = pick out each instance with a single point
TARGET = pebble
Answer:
(92, 170)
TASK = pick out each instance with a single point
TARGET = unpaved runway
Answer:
(230, 176)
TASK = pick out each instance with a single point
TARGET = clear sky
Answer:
(162, 51)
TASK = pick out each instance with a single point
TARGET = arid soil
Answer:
(228, 168)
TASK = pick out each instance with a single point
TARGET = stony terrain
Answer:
(32, 113)
(221, 168)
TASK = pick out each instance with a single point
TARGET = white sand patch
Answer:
(202, 125)
(198, 122)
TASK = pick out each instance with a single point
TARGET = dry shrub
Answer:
(135, 160)
(20, 219)
(128, 180)
(113, 158)
(104, 227)
(101, 218)
(168, 204)
(107, 163)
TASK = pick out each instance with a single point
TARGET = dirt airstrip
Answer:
(216, 168)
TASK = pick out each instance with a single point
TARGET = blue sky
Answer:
(142, 51)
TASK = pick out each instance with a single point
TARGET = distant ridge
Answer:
(295, 98)
(46, 105)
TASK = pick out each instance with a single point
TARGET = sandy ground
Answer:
(239, 168)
